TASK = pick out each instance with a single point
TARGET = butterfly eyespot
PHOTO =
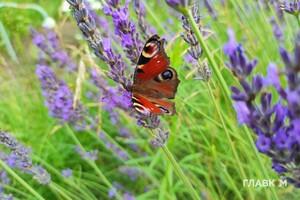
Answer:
(167, 75)
(150, 49)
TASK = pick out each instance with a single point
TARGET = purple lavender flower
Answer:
(291, 7)
(230, 47)
(276, 124)
(263, 143)
(112, 97)
(6, 196)
(277, 32)
(122, 155)
(101, 46)
(67, 172)
(132, 172)
(125, 29)
(118, 187)
(160, 138)
(243, 113)
(20, 158)
(125, 133)
(100, 21)
(40, 174)
(195, 51)
(112, 192)
(59, 98)
(239, 63)
(87, 155)
(4, 180)
(48, 44)
(128, 196)
(145, 30)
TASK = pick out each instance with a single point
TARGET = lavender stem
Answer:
(206, 50)
(20, 180)
(178, 170)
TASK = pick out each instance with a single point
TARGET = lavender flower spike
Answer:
(101, 46)
(59, 98)
(125, 29)
(291, 7)
(145, 29)
(48, 44)
(87, 155)
(277, 124)
(19, 158)
(195, 50)
(160, 138)
(67, 172)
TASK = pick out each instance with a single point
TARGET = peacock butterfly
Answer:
(155, 82)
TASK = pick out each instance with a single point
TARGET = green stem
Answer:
(298, 19)
(179, 171)
(207, 52)
(91, 163)
(227, 135)
(21, 181)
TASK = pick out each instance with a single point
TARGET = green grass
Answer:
(213, 151)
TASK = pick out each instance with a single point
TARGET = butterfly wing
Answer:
(146, 105)
(154, 80)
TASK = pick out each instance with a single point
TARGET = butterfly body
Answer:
(155, 82)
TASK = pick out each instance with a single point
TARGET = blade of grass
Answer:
(21, 181)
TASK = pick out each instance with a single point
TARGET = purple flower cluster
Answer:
(19, 157)
(122, 155)
(275, 123)
(277, 31)
(291, 7)
(145, 30)
(59, 98)
(117, 187)
(101, 46)
(195, 51)
(4, 180)
(112, 97)
(160, 138)
(100, 21)
(87, 155)
(4, 196)
(125, 29)
(132, 172)
(48, 45)
(67, 173)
